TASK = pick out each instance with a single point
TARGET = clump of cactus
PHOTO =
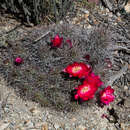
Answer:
(36, 10)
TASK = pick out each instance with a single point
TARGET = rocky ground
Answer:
(35, 95)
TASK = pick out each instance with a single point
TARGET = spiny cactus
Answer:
(35, 10)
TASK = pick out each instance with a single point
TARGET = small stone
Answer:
(119, 19)
(118, 14)
(89, 26)
(127, 8)
(115, 23)
(112, 119)
(38, 124)
(44, 126)
(29, 124)
(110, 14)
(49, 116)
(4, 126)
(6, 62)
(127, 103)
(61, 22)
(80, 127)
(122, 126)
(126, 87)
(86, 16)
(67, 126)
(107, 10)
(73, 119)
(20, 128)
(34, 111)
(56, 126)
(44, 118)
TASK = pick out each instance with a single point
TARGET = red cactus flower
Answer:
(106, 95)
(56, 41)
(69, 42)
(18, 60)
(85, 91)
(87, 57)
(93, 79)
(79, 70)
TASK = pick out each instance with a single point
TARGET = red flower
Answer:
(87, 57)
(79, 70)
(69, 42)
(85, 91)
(106, 95)
(93, 79)
(18, 60)
(56, 41)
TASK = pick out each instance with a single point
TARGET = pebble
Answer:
(44, 118)
(67, 126)
(122, 126)
(126, 87)
(29, 124)
(38, 124)
(80, 127)
(73, 119)
(107, 10)
(45, 126)
(4, 126)
(89, 26)
(111, 119)
(110, 14)
(34, 111)
(127, 103)
(49, 116)
(61, 22)
(127, 8)
(56, 126)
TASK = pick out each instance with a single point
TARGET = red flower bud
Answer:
(18, 60)
(108, 62)
(79, 70)
(106, 95)
(69, 42)
(87, 57)
(57, 41)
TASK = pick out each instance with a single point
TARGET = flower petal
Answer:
(79, 70)
(57, 41)
(106, 95)
(18, 60)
